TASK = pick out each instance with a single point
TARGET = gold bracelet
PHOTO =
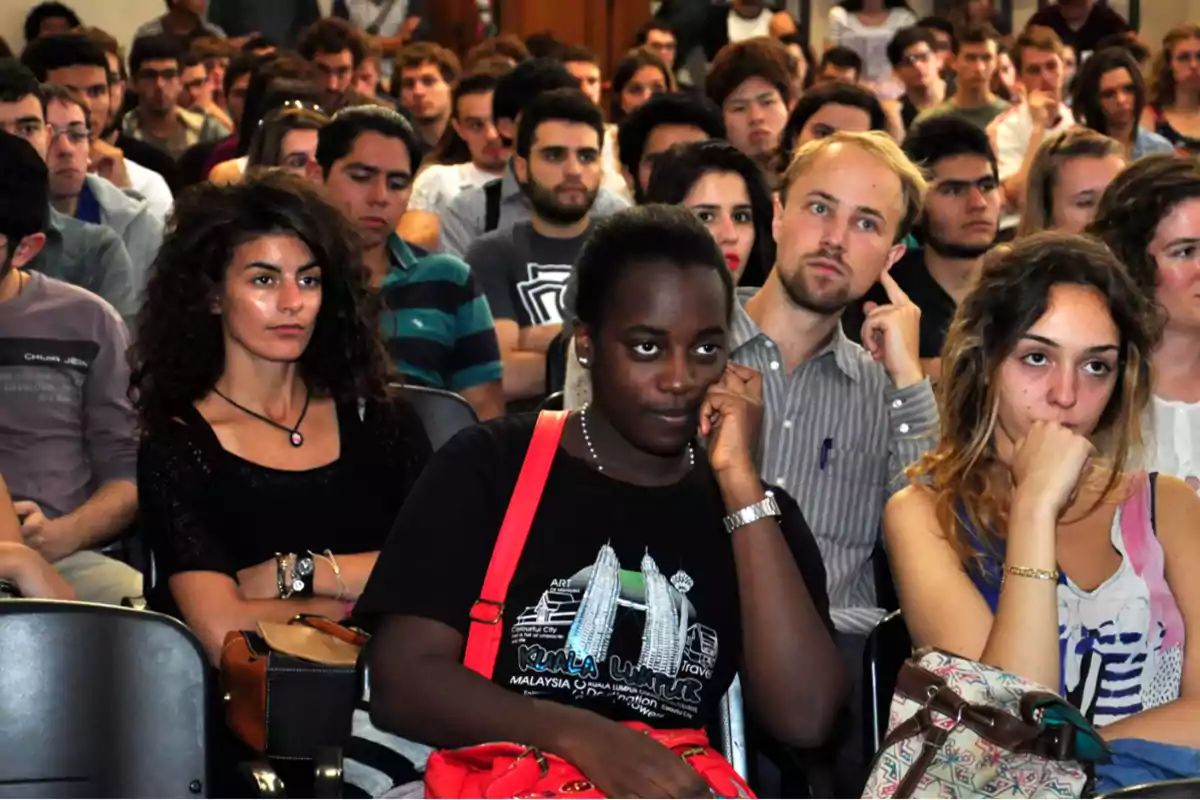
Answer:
(1029, 572)
(337, 572)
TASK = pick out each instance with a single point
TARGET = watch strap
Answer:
(767, 507)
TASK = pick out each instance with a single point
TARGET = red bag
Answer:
(504, 769)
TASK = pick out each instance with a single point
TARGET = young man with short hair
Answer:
(436, 324)
(87, 255)
(751, 82)
(659, 124)
(80, 62)
(657, 37)
(90, 198)
(156, 63)
(68, 447)
(838, 64)
(825, 110)
(975, 61)
(1018, 133)
(500, 204)
(523, 271)
(957, 228)
(840, 423)
(426, 75)
(337, 50)
(916, 64)
(197, 94)
(1081, 24)
(583, 64)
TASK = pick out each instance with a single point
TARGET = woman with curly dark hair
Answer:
(272, 460)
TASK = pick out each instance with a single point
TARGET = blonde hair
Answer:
(882, 148)
(1038, 214)
(1161, 78)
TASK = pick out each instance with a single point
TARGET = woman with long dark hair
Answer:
(726, 190)
(286, 139)
(1109, 96)
(638, 76)
(272, 459)
(1028, 539)
(1174, 107)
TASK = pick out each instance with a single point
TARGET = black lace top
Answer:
(203, 508)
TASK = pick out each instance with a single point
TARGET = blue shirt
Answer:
(437, 326)
(1147, 143)
(88, 207)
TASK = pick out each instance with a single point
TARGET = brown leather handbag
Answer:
(290, 688)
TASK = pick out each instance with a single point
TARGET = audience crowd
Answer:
(908, 320)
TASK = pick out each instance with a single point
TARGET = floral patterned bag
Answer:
(959, 728)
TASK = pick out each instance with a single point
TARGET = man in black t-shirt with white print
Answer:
(962, 215)
(523, 271)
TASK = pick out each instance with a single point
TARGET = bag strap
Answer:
(487, 614)
(491, 194)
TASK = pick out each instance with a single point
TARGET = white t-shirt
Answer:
(363, 13)
(152, 187)
(870, 42)
(612, 179)
(1010, 133)
(438, 184)
(1173, 447)
(739, 29)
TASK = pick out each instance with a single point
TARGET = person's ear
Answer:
(27, 249)
(506, 128)
(584, 352)
(777, 218)
(521, 168)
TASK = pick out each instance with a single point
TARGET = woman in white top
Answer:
(1150, 217)
(866, 27)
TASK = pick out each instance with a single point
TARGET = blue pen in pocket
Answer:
(826, 446)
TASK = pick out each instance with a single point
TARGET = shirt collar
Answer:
(399, 253)
(744, 330)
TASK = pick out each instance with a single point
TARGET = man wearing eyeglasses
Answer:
(89, 197)
(157, 65)
(912, 52)
(87, 255)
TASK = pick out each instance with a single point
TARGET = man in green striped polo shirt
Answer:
(435, 322)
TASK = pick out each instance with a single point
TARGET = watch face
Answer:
(304, 566)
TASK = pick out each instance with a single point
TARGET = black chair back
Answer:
(888, 646)
(100, 701)
(553, 403)
(556, 364)
(443, 413)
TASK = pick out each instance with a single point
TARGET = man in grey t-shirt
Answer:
(523, 270)
(68, 450)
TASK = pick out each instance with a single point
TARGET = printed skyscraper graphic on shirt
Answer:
(579, 633)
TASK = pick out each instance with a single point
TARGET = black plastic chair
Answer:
(443, 413)
(100, 701)
(553, 403)
(1184, 788)
(888, 646)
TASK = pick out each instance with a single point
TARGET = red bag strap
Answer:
(483, 639)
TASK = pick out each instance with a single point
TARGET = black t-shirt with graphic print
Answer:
(625, 601)
(524, 274)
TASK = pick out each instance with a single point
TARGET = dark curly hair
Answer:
(1135, 203)
(180, 345)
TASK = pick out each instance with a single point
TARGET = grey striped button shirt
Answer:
(874, 431)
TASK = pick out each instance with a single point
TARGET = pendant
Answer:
(296, 439)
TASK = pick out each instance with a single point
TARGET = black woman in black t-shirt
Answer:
(632, 602)
(272, 461)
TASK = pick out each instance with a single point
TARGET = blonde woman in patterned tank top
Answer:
(1026, 541)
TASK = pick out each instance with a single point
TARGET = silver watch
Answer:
(767, 507)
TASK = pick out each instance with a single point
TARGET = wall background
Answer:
(121, 17)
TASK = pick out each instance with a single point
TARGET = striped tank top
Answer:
(1121, 644)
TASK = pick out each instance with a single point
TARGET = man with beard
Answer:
(435, 322)
(962, 217)
(840, 423)
(500, 204)
(68, 448)
(524, 270)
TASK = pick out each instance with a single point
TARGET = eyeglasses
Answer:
(917, 58)
(76, 132)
